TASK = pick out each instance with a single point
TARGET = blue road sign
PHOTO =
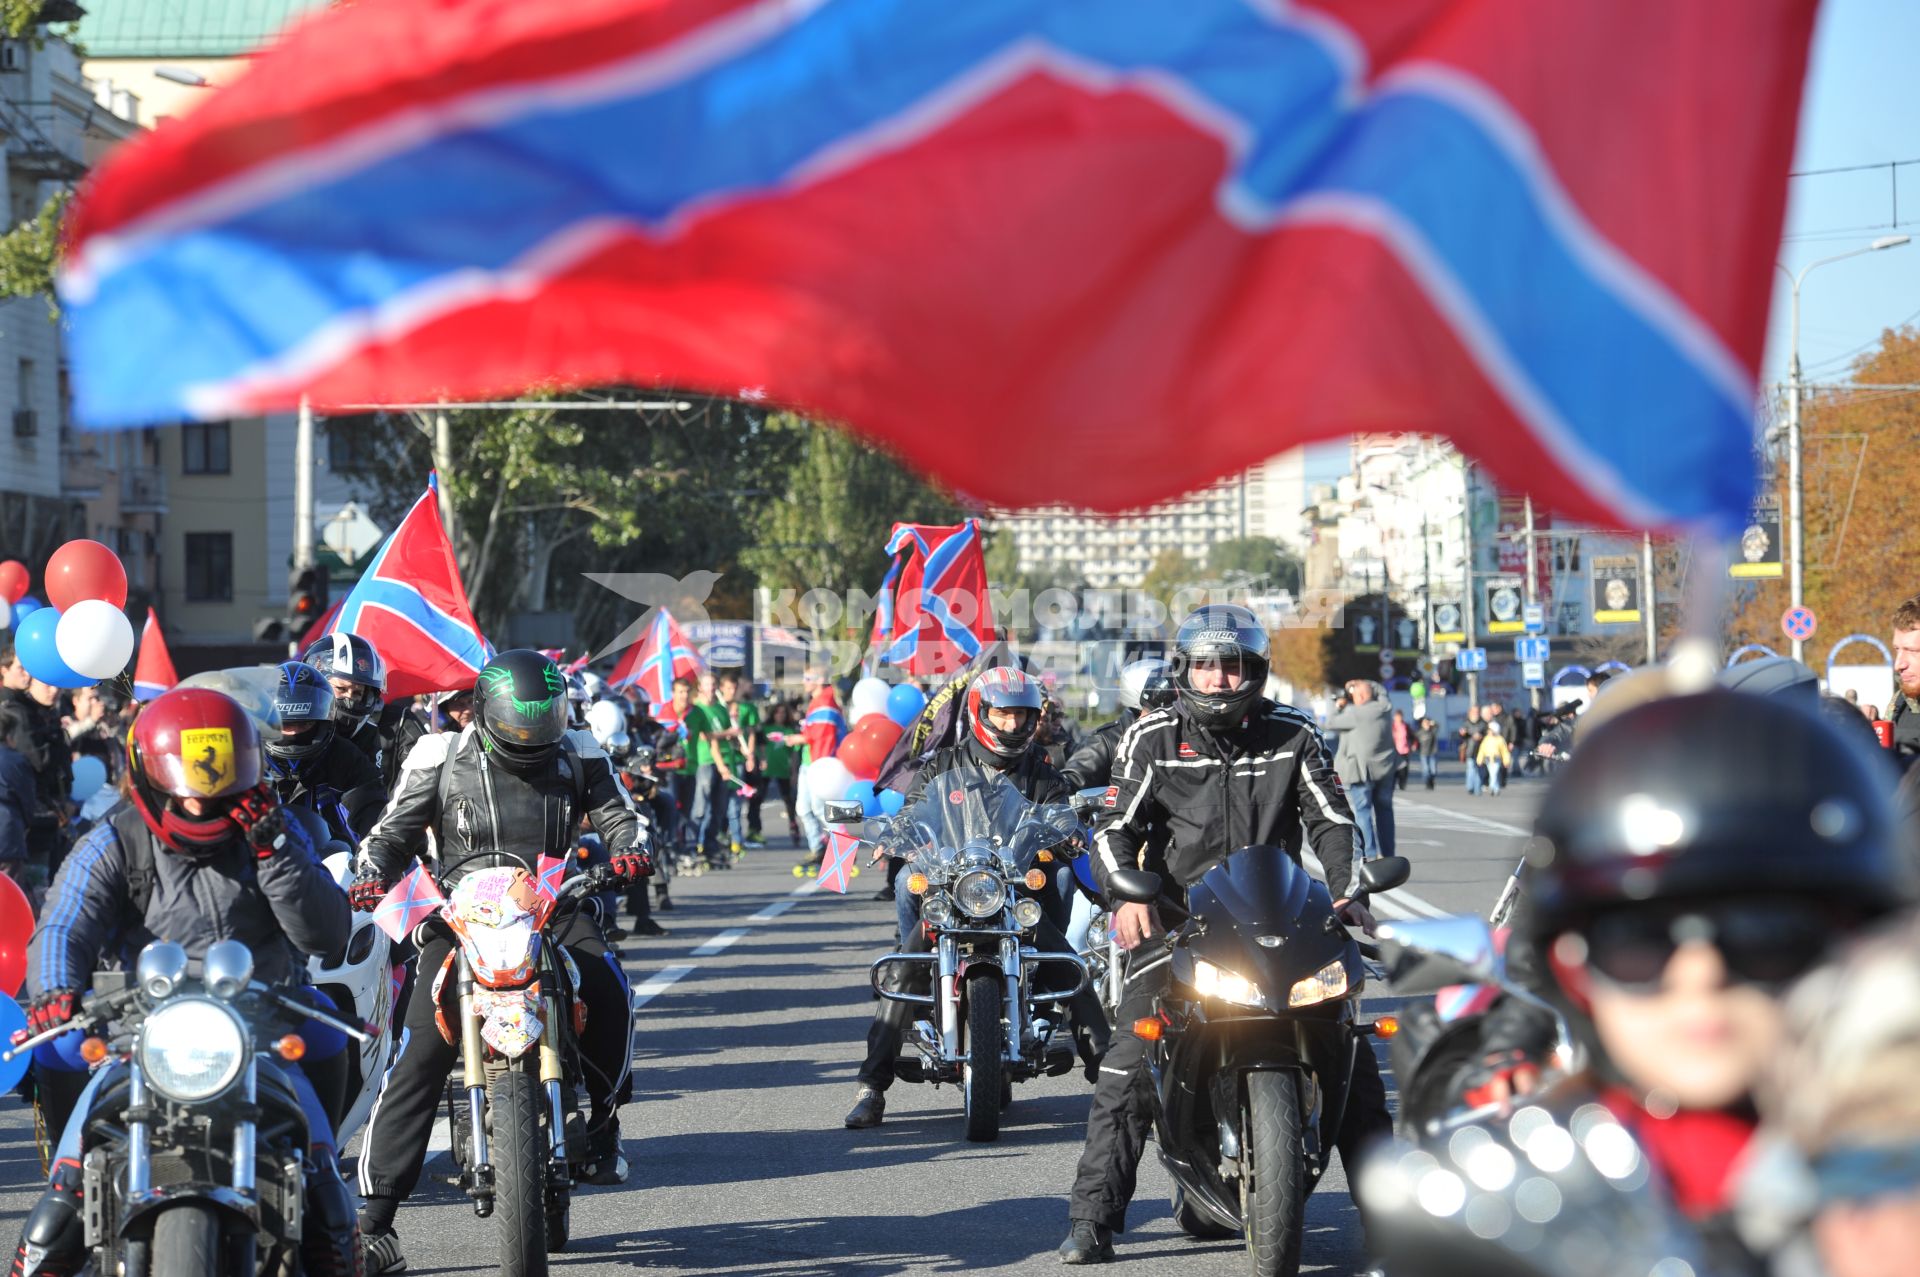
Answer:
(1471, 660)
(1798, 623)
(1533, 651)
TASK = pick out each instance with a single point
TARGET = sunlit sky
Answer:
(1862, 106)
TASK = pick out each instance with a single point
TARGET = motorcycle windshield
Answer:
(966, 812)
(1263, 910)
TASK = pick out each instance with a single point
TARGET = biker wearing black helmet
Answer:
(1695, 856)
(1221, 769)
(311, 766)
(515, 782)
(358, 676)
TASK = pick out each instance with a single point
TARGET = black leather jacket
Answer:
(342, 787)
(1092, 762)
(1031, 773)
(452, 786)
(1261, 783)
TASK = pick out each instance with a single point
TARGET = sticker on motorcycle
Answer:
(1112, 797)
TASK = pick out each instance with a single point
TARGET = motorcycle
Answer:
(513, 1110)
(361, 981)
(195, 1151)
(978, 855)
(1441, 1044)
(1251, 1050)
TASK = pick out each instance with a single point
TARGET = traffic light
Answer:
(306, 597)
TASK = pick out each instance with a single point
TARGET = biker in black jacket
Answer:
(1002, 713)
(311, 767)
(515, 782)
(1224, 768)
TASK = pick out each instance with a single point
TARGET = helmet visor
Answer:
(1216, 673)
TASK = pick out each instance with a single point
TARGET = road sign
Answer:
(1533, 651)
(1386, 669)
(1798, 623)
(1448, 626)
(1533, 673)
(1534, 617)
(1470, 660)
(1388, 656)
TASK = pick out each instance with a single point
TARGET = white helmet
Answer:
(1146, 684)
(595, 685)
(604, 720)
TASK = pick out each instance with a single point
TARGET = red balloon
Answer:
(14, 580)
(16, 928)
(82, 570)
(866, 746)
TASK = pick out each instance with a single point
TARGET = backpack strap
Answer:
(136, 851)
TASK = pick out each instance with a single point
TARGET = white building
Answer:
(56, 484)
(1114, 552)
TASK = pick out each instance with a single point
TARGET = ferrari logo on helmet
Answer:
(207, 757)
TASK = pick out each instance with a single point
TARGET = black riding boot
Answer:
(54, 1241)
(330, 1241)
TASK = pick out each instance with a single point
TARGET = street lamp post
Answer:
(1796, 532)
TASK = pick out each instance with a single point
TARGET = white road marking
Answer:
(1399, 903)
(653, 986)
(720, 942)
(1467, 818)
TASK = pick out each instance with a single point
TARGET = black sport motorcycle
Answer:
(195, 1154)
(1253, 1045)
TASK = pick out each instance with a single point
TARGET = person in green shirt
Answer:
(781, 746)
(723, 738)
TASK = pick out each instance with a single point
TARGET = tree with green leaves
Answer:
(826, 526)
(1256, 557)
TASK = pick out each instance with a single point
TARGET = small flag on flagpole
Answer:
(552, 870)
(412, 901)
(836, 868)
(154, 672)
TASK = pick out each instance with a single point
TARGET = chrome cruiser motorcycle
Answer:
(198, 1134)
(980, 857)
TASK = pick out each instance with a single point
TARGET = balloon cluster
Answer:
(81, 635)
(881, 715)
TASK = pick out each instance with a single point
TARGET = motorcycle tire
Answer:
(1273, 1191)
(519, 1152)
(980, 1078)
(186, 1239)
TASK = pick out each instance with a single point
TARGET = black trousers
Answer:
(402, 1118)
(1123, 1106)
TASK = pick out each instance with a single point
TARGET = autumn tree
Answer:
(1861, 463)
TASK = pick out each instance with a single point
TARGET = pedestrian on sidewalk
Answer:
(1427, 735)
(1495, 757)
(1365, 763)
(1402, 748)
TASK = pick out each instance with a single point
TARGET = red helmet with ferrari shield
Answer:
(193, 751)
(1005, 734)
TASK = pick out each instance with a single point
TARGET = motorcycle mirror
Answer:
(1428, 954)
(227, 968)
(1384, 873)
(160, 968)
(845, 813)
(1085, 800)
(1135, 886)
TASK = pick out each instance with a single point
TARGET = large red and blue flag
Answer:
(412, 606)
(934, 610)
(1151, 242)
(662, 654)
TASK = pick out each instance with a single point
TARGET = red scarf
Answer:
(1697, 1151)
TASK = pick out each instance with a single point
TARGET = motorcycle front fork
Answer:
(473, 1077)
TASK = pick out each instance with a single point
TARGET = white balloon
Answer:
(94, 638)
(828, 779)
(6, 615)
(604, 718)
(869, 697)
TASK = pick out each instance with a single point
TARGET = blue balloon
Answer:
(12, 1020)
(861, 791)
(89, 773)
(904, 704)
(891, 801)
(33, 641)
(26, 604)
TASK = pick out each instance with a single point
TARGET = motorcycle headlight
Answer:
(1229, 986)
(1329, 981)
(192, 1049)
(980, 893)
(1026, 913)
(936, 911)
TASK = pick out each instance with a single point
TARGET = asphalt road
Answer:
(751, 1026)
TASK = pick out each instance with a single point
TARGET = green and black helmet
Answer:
(521, 703)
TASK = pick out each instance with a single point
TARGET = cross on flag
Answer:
(411, 902)
(837, 865)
